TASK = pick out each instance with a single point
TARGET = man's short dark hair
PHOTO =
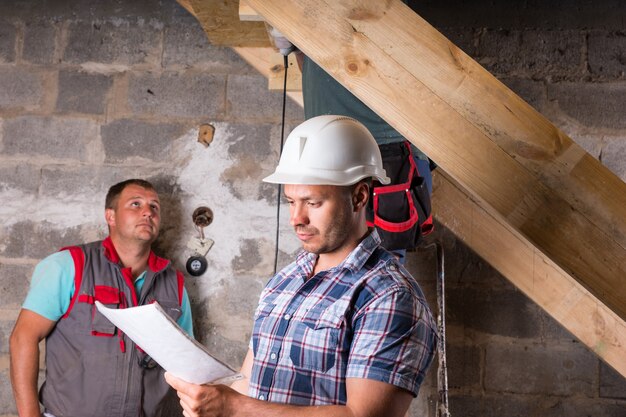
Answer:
(116, 190)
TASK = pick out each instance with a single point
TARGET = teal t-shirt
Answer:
(52, 289)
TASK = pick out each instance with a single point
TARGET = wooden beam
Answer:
(264, 60)
(568, 302)
(511, 159)
(247, 13)
(222, 28)
(220, 21)
(277, 73)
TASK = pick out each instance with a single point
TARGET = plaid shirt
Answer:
(365, 318)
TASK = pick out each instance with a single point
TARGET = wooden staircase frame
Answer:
(514, 188)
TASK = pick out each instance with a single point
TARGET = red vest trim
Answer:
(79, 261)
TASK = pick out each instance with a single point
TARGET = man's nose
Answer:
(147, 211)
(298, 215)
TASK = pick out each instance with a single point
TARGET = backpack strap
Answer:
(79, 262)
(392, 226)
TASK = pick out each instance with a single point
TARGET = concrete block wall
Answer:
(95, 92)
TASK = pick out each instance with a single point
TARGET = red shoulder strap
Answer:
(181, 287)
(79, 261)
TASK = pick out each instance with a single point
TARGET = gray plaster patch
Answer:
(242, 178)
(249, 257)
(252, 140)
(254, 150)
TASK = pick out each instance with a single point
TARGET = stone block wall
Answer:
(92, 93)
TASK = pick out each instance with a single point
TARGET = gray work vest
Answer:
(93, 369)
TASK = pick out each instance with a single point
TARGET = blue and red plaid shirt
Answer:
(365, 318)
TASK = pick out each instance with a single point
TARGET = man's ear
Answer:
(109, 215)
(360, 195)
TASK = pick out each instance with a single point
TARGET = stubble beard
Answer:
(334, 237)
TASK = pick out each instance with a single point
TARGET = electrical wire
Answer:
(282, 136)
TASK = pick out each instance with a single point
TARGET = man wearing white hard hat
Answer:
(344, 330)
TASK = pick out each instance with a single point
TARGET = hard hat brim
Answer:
(318, 178)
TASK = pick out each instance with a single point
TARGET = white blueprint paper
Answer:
(161, 338)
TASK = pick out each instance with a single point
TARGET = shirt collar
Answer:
(353, 262)
(155, 263)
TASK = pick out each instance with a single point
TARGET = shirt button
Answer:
(392, 267)
(287, 316)
(272, 356)
(262, 397)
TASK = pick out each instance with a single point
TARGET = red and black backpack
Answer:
(400, 211)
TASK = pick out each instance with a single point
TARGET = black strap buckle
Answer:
(147, 362)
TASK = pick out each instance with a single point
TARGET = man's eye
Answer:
(135, 204)
(155, 207)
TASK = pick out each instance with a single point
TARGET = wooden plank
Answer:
(568, 302)
(247, 13)
(263, 59)
(486, 138)
(220, 21)
(277, 73)
(276, 69)
(218, 25)
(217, 28)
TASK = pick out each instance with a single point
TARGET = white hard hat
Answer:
(329, 150)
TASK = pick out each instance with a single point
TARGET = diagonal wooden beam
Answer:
(568, 302)
(267, 62)
(511, 159)
(524, 212)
